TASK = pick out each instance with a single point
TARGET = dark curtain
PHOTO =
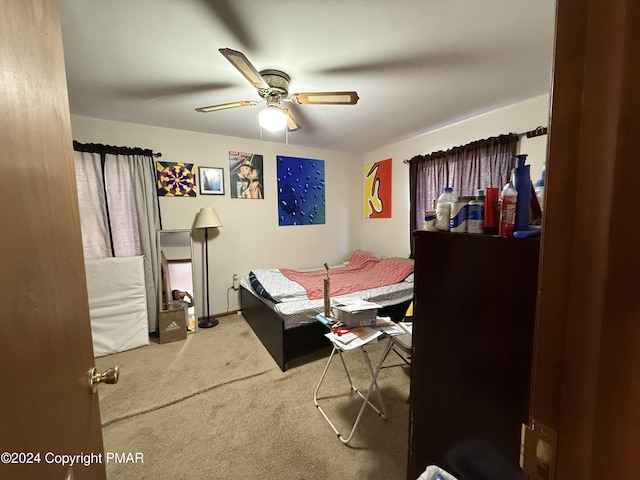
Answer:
(480, 164)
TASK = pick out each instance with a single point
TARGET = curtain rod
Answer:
(100, 148)
(530, 134)
(534, 133)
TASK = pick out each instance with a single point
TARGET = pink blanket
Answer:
(363, 271)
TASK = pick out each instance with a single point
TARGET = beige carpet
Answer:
(216, 406)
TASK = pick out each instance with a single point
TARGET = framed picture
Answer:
(301, 188)
(176, 179)
(211, 180)
(377, 189)
(245, 175)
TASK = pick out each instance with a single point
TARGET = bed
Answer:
(280, 305)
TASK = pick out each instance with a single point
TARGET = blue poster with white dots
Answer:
(301, 191)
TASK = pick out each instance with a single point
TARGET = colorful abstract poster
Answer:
(301, 191)
(245, 170)
(176, 179)
(377, 189)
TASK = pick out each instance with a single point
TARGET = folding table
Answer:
(341, 348)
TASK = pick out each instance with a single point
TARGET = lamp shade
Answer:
(207, 217)
(272, 118)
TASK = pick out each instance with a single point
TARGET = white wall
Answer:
(391, 235)
(250, 236)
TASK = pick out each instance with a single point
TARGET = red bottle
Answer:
(491, 210)
(508, 200)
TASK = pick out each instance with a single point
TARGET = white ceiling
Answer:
(417, 65)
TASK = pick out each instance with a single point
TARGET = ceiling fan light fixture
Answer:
(272, 118)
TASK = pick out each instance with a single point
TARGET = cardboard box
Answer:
(356, 313)
(172, 325)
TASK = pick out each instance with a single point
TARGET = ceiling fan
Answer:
(273, 88)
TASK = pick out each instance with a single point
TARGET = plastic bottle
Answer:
(430, 221)
(522, 183)
(508, 201)
(475, 213)
(491, 220)
(443, 209)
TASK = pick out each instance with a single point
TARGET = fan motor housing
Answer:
(278, 83)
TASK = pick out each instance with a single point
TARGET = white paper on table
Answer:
(408, 326)
(365, 335)
(390, 329)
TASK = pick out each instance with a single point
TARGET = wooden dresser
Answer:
(474, 315)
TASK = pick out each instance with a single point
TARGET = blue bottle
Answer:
(522, 177)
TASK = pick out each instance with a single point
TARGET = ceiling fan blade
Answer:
(225, 106)
(231, 16)
(292, 123)
(325, 98)
(245, 67)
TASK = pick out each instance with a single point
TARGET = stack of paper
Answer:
(363, 335)
(388, 327)
(407, 326)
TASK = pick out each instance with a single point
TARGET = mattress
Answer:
(117, 304)
(298, 309)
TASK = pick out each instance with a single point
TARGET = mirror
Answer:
(176, 286)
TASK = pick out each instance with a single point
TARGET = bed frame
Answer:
(286, 345)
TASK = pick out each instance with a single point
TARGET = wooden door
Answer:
(586, 376)
(46, 406)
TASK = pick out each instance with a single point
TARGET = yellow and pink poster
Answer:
(377, 189)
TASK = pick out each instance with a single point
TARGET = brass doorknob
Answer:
(109, 376)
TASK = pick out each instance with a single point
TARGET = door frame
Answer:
(585, 382)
